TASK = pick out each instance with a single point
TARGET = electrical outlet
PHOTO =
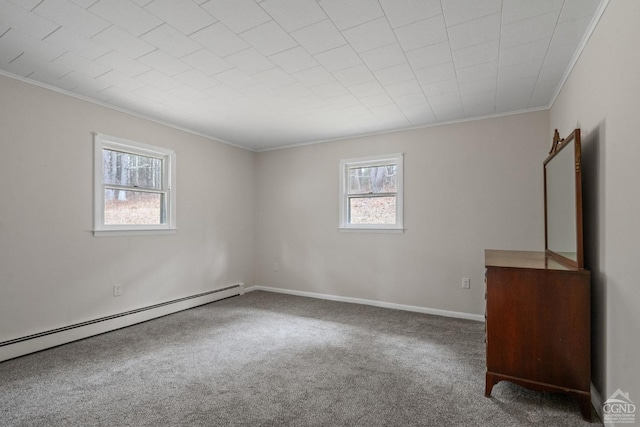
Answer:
(117, 290)
(466, 283)
(275, 266)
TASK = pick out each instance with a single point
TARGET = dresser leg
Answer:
(585, 406)
(488, 384)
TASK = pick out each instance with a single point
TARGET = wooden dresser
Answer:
(538, 325)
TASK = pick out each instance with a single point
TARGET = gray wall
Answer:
(601, 98)
(468, 187)
(53, 272)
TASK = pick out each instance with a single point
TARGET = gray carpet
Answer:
(266, 359)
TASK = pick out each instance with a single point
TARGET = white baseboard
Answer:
(426, 310)
(21, 347)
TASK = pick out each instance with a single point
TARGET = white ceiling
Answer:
(270, 73)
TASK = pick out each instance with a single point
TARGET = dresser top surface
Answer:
(522, 259)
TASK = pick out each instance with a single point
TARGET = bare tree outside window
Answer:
(372, 189)
(123, 174)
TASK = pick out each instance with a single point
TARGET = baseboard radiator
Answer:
(55, 337)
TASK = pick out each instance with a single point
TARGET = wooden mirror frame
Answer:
(557, 145)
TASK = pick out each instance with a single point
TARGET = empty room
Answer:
(319, 212)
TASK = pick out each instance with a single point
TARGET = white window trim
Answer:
(169, 185)
(345, 165)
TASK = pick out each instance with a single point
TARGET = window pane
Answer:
(372, 210)
(133, 208)
(373, 179)
(131, 170)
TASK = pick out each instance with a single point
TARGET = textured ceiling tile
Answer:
(520, 71)
(478, 72)
(68, 40)
(223, 93)
(250, 61)
(265, 74)
(475, 32)
(384, 57)
(376, 100)
(479, 104)
(319, 37)
(84, 3)
(354, 75)
(405, 88)
(51, 77)
(120, 80)
(388, 112)
(529, 30)
(71, 16)
(184, 15)
(478, 86)
(459, 11)
(518, 10)
(477, 54)
(220, 40)
(515, 89)
(274, 78)
(28, 64)
(196, 79)
(24, 21)
(125, 43)
(573, 30)
(126, 15)
(158, 80)
(535, 51)
(422, 33)
(122, 63)
(430, 56)
(440, 88)
(347, 14)
(339, 58)
(366, 89)
(294, 60)
(419, 115)
(86, 86)
(207, 62)
(13, 43)
(294, 14)
(26, 4)
(269, 38)
(258, 92)
(163, 62)
(235, 79)
(395, 74)
(330, 90)
(412, 99)
(543, 94)
(403, 12)
(293, 91)
(370, 35)
(449, 112)
(559, 53)
(154, 94)
(79, 64)
(238, 15)
(573, 9)
(314, 76)
(436, 73)
(171, 41)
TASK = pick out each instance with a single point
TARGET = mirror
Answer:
(563, 201)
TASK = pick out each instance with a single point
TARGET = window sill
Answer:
(114, 233)
(371, 230)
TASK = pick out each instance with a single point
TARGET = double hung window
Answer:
(134, 187)
(371, 193)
